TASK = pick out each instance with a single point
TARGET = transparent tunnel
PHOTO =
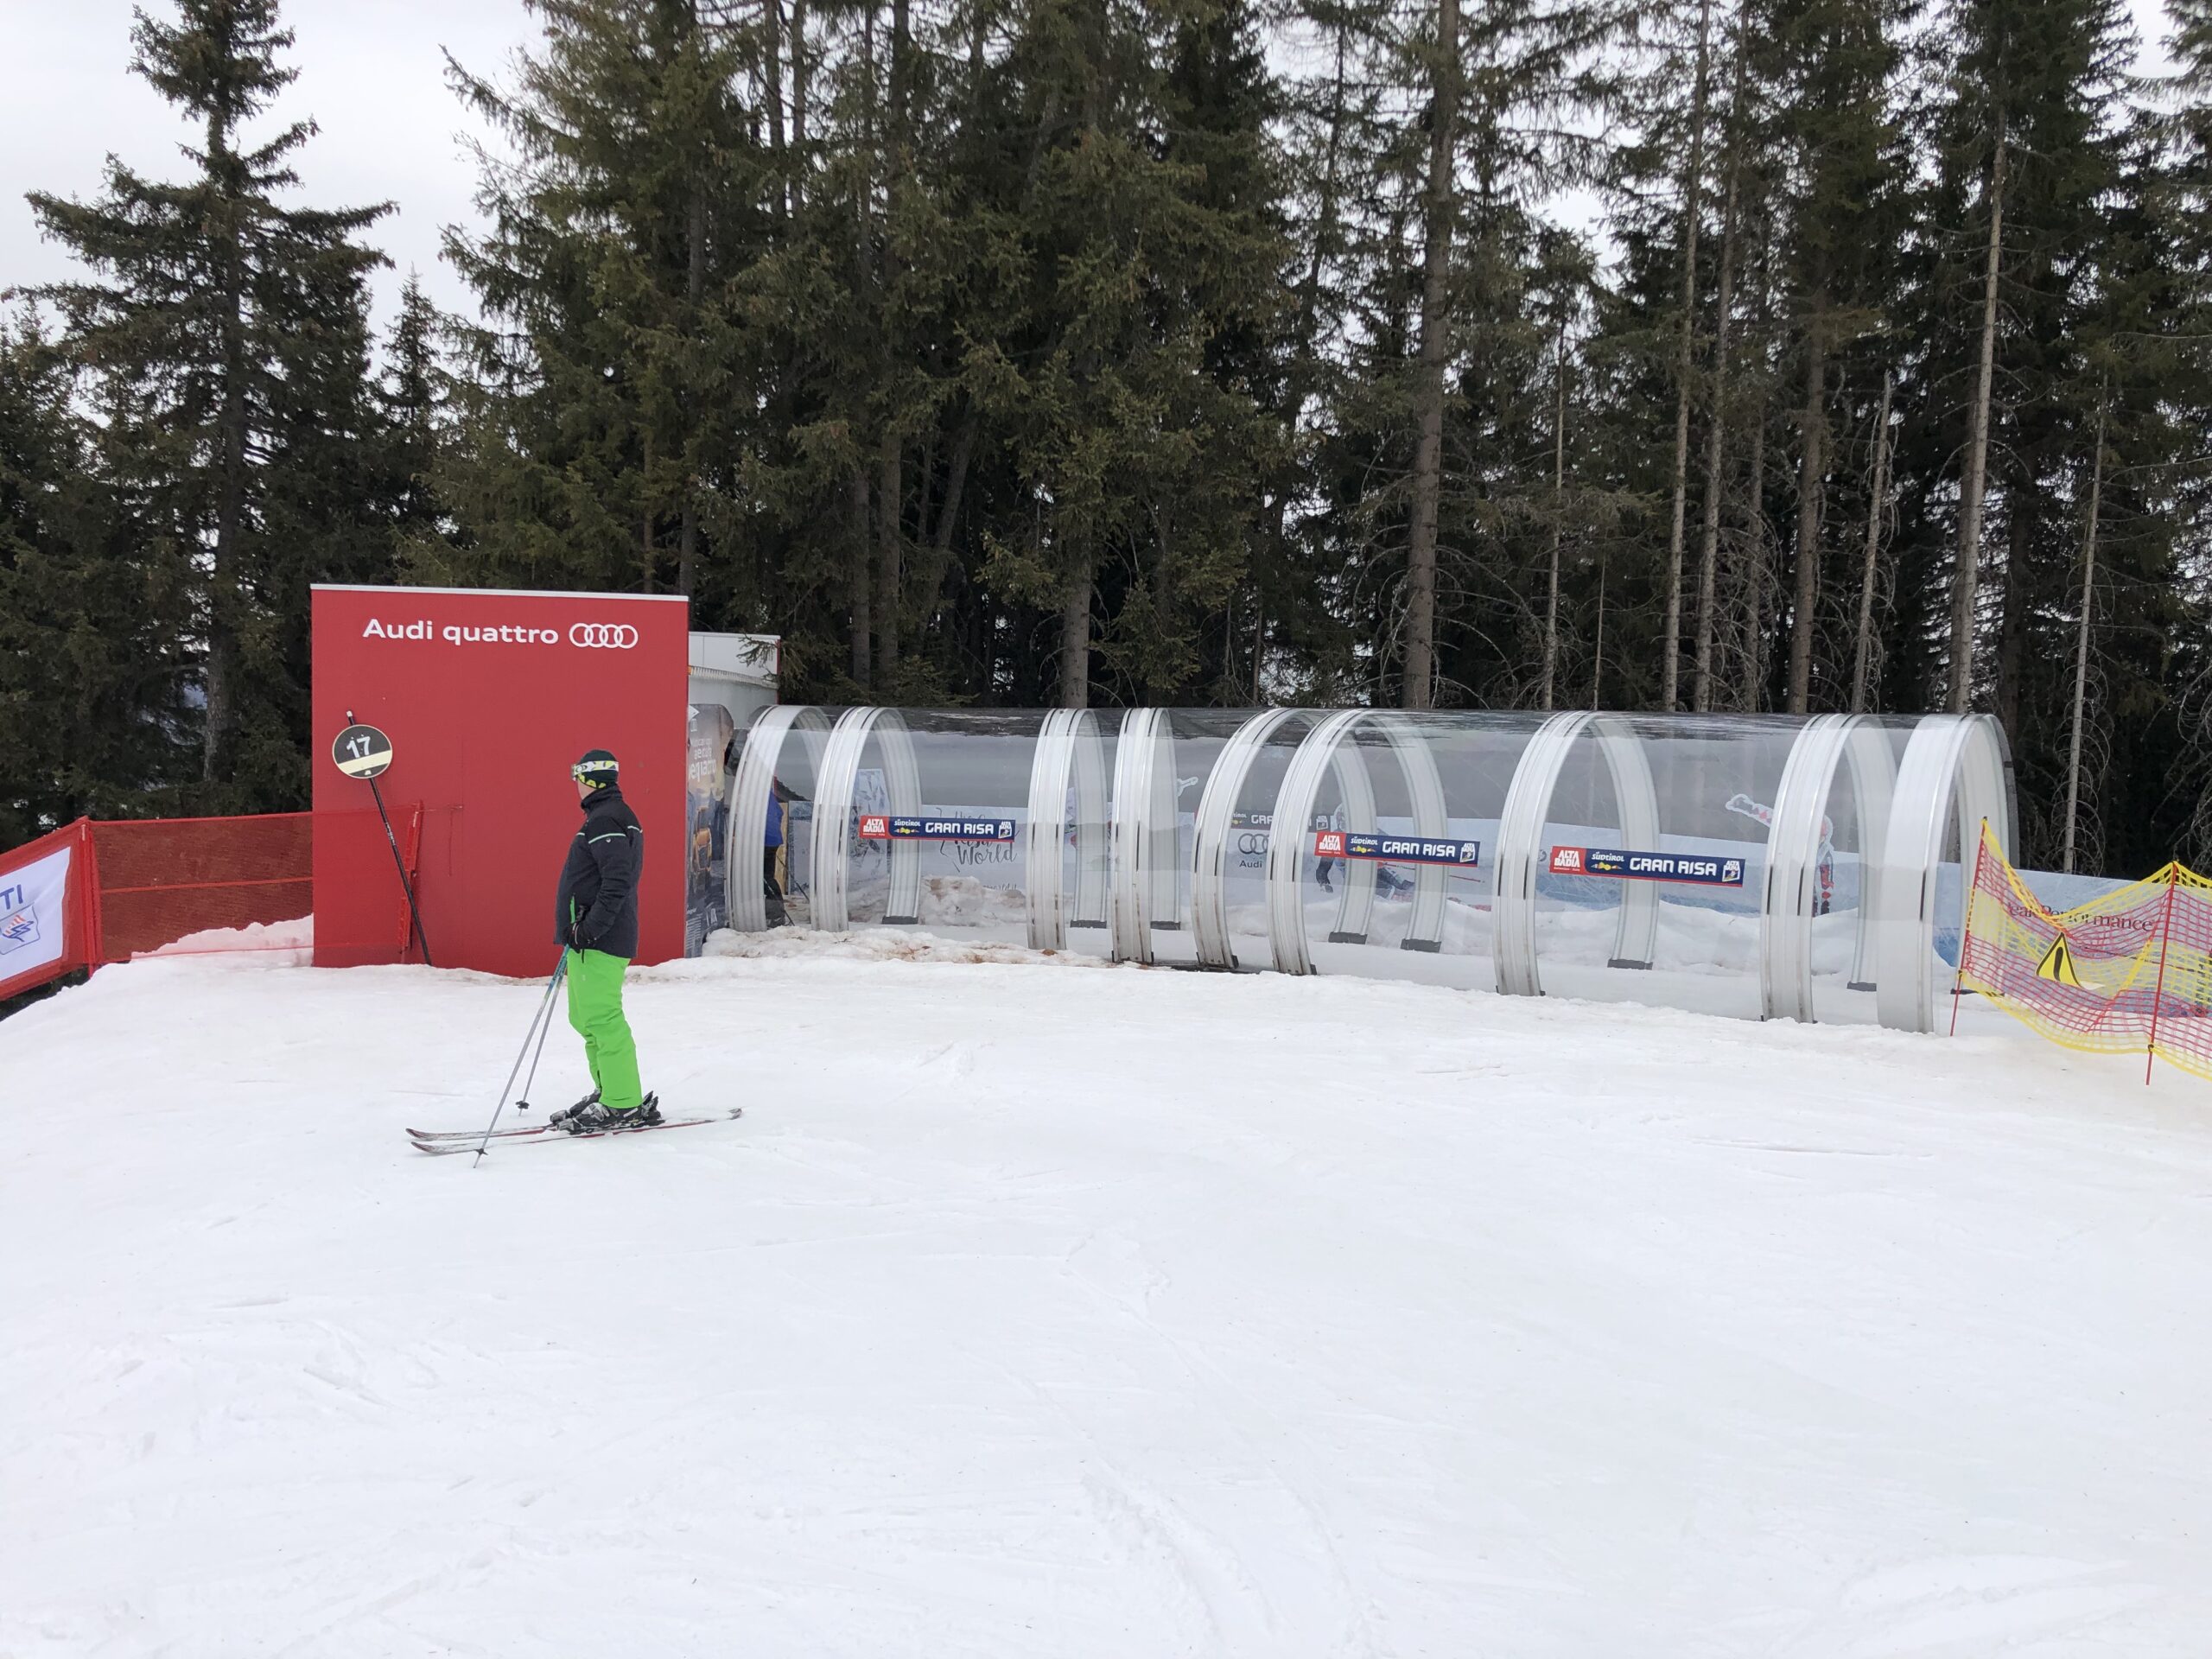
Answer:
(1757, 866)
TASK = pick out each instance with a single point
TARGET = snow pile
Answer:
(962, 901)
(289, 945)
(1182, 1314)
(877, 944)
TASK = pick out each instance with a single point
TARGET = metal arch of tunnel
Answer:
(1956, 770)
(833, 817)
(1874, 787)
(1321, 752)
(1143, 882)
(1069, 763)
(1521, 858)
(1792, 890)
(1216, 823)
(748, 802)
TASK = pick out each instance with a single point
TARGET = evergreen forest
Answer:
(1703, 355)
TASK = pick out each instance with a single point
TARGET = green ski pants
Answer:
(595, 1010)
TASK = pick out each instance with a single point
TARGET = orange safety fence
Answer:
(136, 887)
(2128, 973)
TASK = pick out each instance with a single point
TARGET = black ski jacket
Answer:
(599, 882)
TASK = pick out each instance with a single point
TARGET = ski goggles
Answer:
(597, 773)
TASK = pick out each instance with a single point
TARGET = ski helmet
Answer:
(597, 770)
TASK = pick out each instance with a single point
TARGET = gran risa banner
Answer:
(1396, 849)
(1699, 869)
(488, 696)
(877, 826)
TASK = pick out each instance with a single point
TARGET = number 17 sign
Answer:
(362, 752)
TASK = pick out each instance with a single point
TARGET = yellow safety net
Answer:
(2129, 973)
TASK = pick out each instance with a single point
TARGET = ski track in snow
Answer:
(1134, 1313)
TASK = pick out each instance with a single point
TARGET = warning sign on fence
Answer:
(2130, 973)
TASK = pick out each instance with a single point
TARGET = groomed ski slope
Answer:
(1040, 1310)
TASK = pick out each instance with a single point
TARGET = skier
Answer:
(771, 844)
(596, 918)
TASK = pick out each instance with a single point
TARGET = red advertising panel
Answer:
(487, 697)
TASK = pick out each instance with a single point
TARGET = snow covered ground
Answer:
(1121, 1312)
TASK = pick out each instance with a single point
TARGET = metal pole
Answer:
(2158, 994)
(414, 916)
(538, 1026)
(1966, 924)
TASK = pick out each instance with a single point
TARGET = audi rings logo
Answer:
(603, 636)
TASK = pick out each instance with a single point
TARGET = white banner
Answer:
(32, 913)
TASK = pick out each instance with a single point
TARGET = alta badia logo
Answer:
(590, 636)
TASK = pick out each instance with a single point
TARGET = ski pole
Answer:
(522, 1100)
(539, 1025)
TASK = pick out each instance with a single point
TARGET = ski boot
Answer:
(595, 1117)
(560, 1119)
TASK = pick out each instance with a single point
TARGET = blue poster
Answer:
(887, 827)
(1398, 849)
(1701, 869)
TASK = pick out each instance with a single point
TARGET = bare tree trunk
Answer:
(1075, 637)
(800, 70)
(2082, 639)
(1862, 662)
(646, 528)
(772, 15)
(890, 490)
(1671, 643)
(1419, 689)
(890, 493)
(1708, 565)
(1259, 652)
(694, 286)
(1968, 566)
(1812, 478)
(857, 584)
(948, 514)
(230, 519)
(1597, 656)
(1162, 692)
(1559, 510)
(1755, 540)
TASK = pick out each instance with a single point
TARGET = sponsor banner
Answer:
(488, 697)
(1701, 869)
(584, 636)
(33, 912)
(1396, 849)
(881, 826)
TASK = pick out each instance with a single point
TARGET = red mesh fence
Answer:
(182, 885)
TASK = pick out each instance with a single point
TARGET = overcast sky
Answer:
(370, 73)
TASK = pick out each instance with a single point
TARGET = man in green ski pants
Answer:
(596, 916)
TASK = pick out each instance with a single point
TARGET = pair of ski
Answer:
(438, 1142)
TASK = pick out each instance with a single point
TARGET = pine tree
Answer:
(1833, 61)
(1150, 255)
(93, 670)
(589, 443)
(227, 349)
